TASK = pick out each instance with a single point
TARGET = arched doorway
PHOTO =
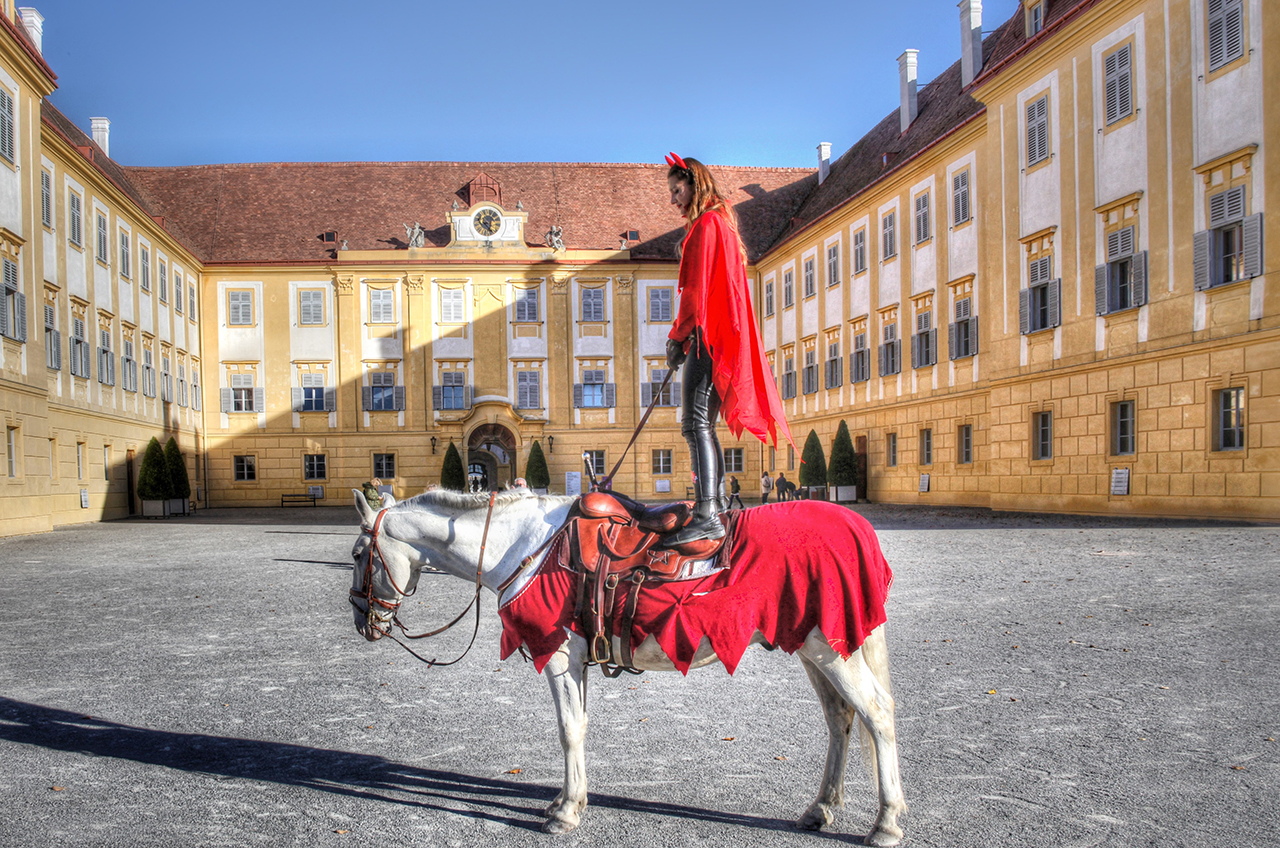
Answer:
(491, 457)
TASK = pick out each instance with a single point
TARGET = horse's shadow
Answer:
(355, 775)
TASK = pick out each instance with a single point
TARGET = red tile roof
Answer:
(274, 212)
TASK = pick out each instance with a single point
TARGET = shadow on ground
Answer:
(363, 776)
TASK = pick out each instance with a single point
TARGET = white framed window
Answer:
(126, 254)
(768, 298)
(11, 450)
(593, 305)
(833, 264)
(46, 199)
(191, 299)
(964, 444)
(1124, 441)
(1037, 130)
(926, 446)
(890, 351)
(242, 392)
(177, 293)
(164, 284)
(809, 377)
(860, 360)
(810, 279)
(313, 395)
(593, 392)
(384, 466)
(1035, 19)
(661, 462)
(1042, 435)
(382, 306)
(149, 375)
(314, 466)
(128, 367)
(733, 460)
(1229, 419)
(75, 220)
(1040, 303)
(453, 392)
(182, 384)
(452, 306)
(834, 366)
(1231, 249)
(891, 450)
(246, 467)
(670, 396)
(382, 394)
(924, 342)
(962, 333)
(1118, 85)
(788, 289)
(888, 236)
(79, 349)
(144, 269)
(52, 339)
(106, 359)
(788, 378)
(596, 459)
(1121, 282)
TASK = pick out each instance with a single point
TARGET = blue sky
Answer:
(734, 83)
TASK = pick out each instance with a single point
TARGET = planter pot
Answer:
(844, 494)
(178, 506)
(155, 509)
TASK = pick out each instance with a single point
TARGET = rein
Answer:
(394, 606)
(607, 482)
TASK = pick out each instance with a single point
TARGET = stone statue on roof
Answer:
(554, 238)
(415, 235)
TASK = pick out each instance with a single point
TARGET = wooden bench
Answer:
(297, 500)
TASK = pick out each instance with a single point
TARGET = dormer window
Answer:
(1035, 18)
(483, 188)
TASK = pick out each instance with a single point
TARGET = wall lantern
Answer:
(433, 444)
(551, 443)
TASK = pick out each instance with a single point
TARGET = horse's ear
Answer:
(388, 500)
(362, 506)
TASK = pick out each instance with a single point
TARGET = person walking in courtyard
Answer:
(716, 338)
(735, 493)
(784, 488)
(766, 486)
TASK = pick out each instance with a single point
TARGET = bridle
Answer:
(373, 620)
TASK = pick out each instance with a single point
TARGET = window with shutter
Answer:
(52, 339)
(810, 374)
(144, 269)
(527, 305)
(191, 300)
(7, 133)
(834, 367)
(453, 391)
(46, 199)
(860, 366)
(125, 254)
(311, 307)
(1225, 32)
(382, 391)
(889, 238)
(924, 344)
(860, 251)
(1231, 249)
(177, 293)
(788, 290)
(593, 305)
(768, 298)
(311, 394)
(239, 304)
(922, 217)
(13, 306)
(528, 390)
(102, 254)
(1038, 131)
(833, 264)
(75, 223)
(810, 283)
(1122, 282)
(788, 378)
(960, 198)
(593, 388)
(452, 306)
(1118, 84)
(382, 308)
(242, 390)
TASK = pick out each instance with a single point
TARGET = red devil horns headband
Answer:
(676, 162)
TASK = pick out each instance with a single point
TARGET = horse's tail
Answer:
(875, 653)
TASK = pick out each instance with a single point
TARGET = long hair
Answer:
(706, 197)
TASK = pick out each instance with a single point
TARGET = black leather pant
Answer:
(701, 411)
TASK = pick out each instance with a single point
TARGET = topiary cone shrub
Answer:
(535, 470)
(843, 470)
(452, 474)
(814, 470)
(153, 477)
(177, 470)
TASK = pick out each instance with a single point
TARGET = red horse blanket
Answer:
(795, 566)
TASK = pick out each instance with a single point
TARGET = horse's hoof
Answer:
(816, 817)
(884, 838)
(558, 826)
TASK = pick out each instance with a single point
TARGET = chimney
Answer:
(102, 133)
(907, 88)
(33, 21)
(970, 41)
(824, 161)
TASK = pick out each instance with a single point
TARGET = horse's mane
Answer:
(448, 499)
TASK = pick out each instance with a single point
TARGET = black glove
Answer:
(675, 354)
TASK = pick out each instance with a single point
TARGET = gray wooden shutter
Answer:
(646, 394)
(296, 396)
(917, 355)
(330, 399)
(20, 308)
(610, 394)
(1202, 249)
(973, 336)
(884, 349)
(675, 393)
(437, 397)
(57, 349)
(1100, 304)
(224, 398)
(366, 398)
(577, 395)
(398, 397)
(952, 353)
(111, 369)
(259, 399)
(1139, 271)
(1055, 302)
(1024, 311)
(933, 346)
(84, 360)
(1252, 229)
(467, 392)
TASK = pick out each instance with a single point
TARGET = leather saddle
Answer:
(610, 539)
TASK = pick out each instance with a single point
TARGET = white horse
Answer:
(443, 529)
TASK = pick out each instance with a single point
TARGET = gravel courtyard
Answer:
(1061, 681)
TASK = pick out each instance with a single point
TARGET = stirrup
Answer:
(695, 531)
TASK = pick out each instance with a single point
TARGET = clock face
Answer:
(487, 221)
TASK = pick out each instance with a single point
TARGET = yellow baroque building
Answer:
(1039, 284)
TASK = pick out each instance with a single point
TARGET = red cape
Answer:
(715, 295)
(795, 566)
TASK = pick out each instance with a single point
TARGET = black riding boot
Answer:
(701, 409)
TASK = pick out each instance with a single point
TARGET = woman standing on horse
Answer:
(715, 336)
